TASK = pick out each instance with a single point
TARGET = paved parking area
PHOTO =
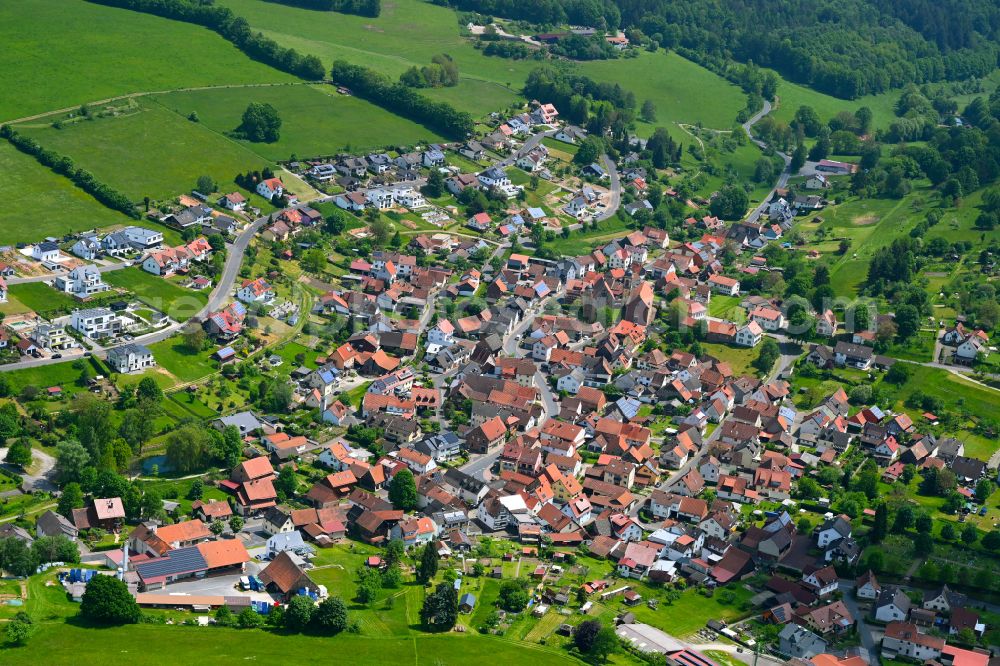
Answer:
(227, 585)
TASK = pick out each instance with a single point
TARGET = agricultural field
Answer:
(52, 64)
(148, 151)
(39, 203)
(161, 294)
(315, 120)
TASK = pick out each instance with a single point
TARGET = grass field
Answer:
(39, 203)
(314, 120)
(739, 358)
(411, 32)
(177, 302)
(152, 152)
(681, 90)
(177, 359)
(42, 298)
(407, 33)
(49, 62)
(64, 375)
(66, 643)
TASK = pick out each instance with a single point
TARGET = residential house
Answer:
(132, 357)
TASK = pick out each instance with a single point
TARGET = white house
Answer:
(143, 238)
(493, 177)
(130, 358)
(87, 248)
(571, 381)
(768, 319)
(270, 188)
(721, 284)
(82, 282)
(381, 199)
(967, 352)
(45, 251)
(233, 201)
(442, 333)
(905, 640)
(892, 605)
(411, 199)
(749, 335)
(355, 201)
(96, 322)
(255, 291)
(817, 182)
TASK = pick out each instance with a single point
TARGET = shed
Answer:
(467, 603)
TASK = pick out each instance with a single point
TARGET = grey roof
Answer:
(131, 348)
(245, 421)
(52, 523)
(181, 560)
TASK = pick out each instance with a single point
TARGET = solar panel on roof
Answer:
(182, 560)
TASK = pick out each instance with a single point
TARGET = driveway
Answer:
(40, 480)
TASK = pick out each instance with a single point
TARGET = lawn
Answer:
(50, 62)
(726, 307)
(315, 120)
(682, 91)
(42, 298)
(69, 643)
(739, 358)
(180, 361)
(177, 302)
(150, 151)
(38, 203)
(64, 375)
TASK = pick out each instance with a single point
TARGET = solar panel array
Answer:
(182, 560)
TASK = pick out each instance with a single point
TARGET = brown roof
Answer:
(257, 468)
(284, 574)
(109, 508)
(225, 553)
(189, 530)
(213, 509)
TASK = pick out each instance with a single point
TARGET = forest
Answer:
(846, 48)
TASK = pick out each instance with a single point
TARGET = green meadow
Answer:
(39, 203)
(315, 120)
(150, 151)
(61, 53)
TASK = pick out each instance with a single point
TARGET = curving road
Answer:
(786, 173)
(220, 294)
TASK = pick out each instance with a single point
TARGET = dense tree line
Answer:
(231, 27)
(584, 47)
(400, 99)
(597, 106)
(443, 71)
(64, 166)
(600, 14)
(846, 48)
(370, 8)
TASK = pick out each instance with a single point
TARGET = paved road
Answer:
(218, 297)
(786, 172)
(477, 466)
(868, 639)
(615, 187)
(39, 480)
